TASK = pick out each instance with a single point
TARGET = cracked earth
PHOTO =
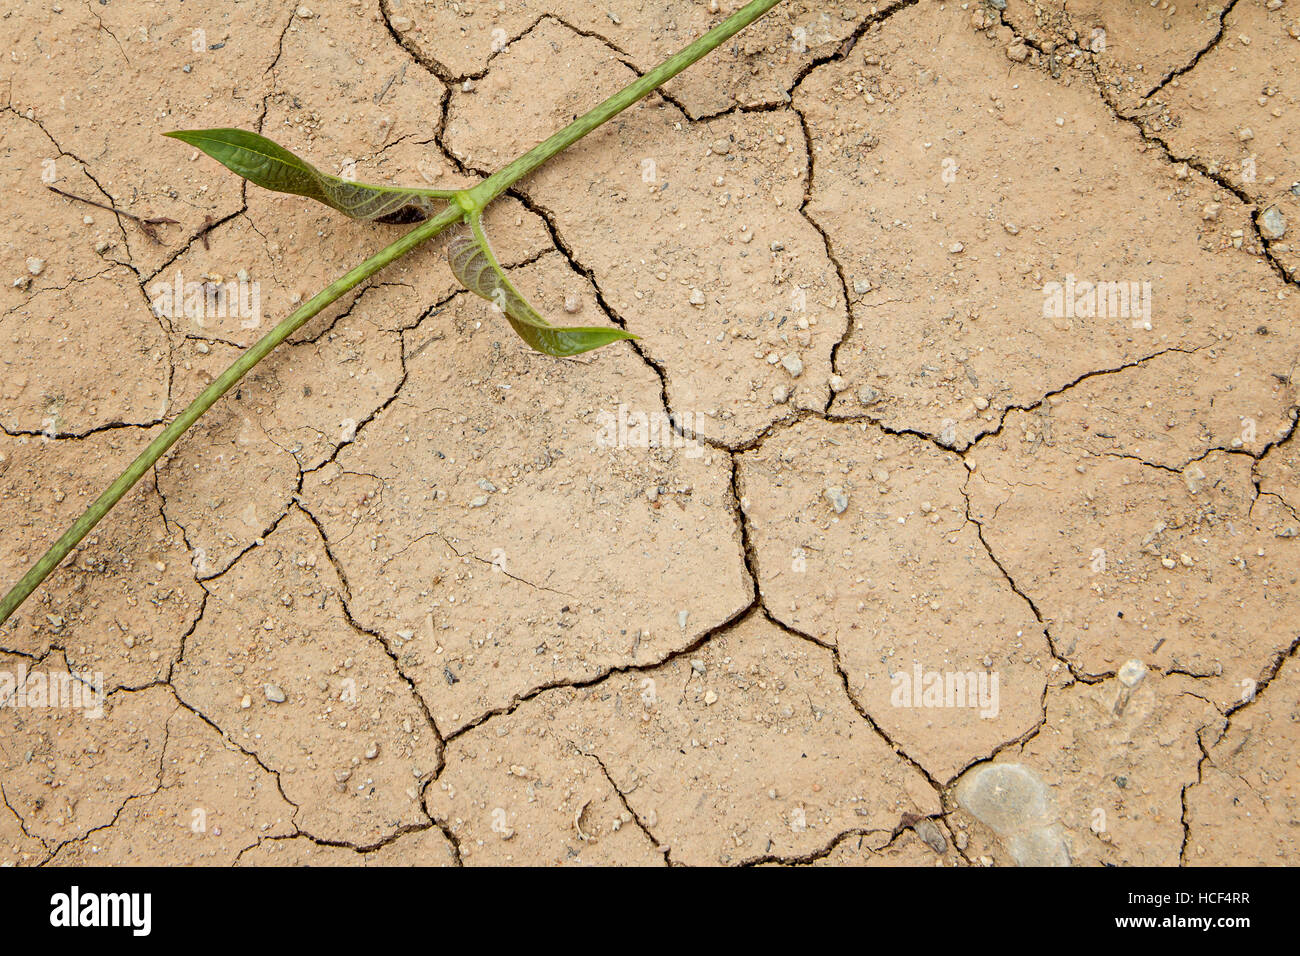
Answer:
(413, 594)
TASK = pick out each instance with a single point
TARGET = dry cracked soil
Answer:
(945, 511)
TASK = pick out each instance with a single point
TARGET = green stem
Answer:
(222, 384)
(509, 174)
(467, 202)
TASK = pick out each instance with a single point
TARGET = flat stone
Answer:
(1272, 224)
(1040, 846)
(1005, 797)
(1012, 801)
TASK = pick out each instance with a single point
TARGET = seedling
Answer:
(472, 261)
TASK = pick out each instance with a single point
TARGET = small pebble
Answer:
(1132, 672)
(930, 835)
(793, 364)
(35, 266)
(274, 694)
(838, 499)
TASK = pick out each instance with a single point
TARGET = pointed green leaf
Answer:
(476, 267)
(273, 167)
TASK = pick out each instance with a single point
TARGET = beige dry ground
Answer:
(415, 595)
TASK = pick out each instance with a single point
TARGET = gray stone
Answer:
(1039, 846)
(1006, 797)
(931, 835)
(1272, 224)
(1012, 801)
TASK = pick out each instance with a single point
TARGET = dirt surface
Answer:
(945, 511)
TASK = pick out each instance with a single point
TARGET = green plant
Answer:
(262, 162)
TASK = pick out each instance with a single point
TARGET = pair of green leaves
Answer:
(271, 166)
